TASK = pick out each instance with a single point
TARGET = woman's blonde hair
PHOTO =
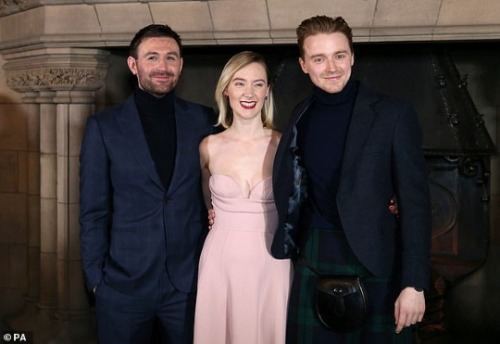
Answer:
(236, 63)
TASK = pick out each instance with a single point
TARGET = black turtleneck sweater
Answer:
(321, 137)
(158, 123)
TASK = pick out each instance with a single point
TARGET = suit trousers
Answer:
(124, 318)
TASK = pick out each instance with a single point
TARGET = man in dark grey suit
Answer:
(360, 150)
(142, 216)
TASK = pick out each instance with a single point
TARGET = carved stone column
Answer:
(65, 80)
(73, 313)
(22, 318)
(43, 322)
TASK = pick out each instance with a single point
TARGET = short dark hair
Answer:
(153, 30)
(322, 24)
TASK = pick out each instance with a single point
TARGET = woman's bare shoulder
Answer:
(212, 145)
(212, 139)
(275, 137)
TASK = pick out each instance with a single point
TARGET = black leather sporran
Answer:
(341, 302)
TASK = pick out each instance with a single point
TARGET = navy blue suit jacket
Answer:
(132, 229)
(382, 157)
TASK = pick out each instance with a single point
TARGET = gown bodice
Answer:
(255, 211)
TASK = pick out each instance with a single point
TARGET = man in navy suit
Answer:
(360, 150)
(142, 216)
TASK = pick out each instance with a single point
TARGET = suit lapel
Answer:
(131, 126)
(360, 125)
(286, 140)
(183, 127)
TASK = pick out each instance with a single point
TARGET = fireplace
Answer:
(456, 143)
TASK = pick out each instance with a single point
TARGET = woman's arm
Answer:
(205, 171)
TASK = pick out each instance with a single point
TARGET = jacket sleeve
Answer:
(413, 195)
(95, 202)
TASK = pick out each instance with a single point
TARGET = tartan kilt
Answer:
(327, 251)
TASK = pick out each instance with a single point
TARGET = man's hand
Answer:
(211, 218)
(409, 308)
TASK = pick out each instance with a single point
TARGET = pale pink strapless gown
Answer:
(242, 290)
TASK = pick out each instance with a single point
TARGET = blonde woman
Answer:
(242, 290)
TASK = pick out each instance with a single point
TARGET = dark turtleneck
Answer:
(321, 137)
(158, 123)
